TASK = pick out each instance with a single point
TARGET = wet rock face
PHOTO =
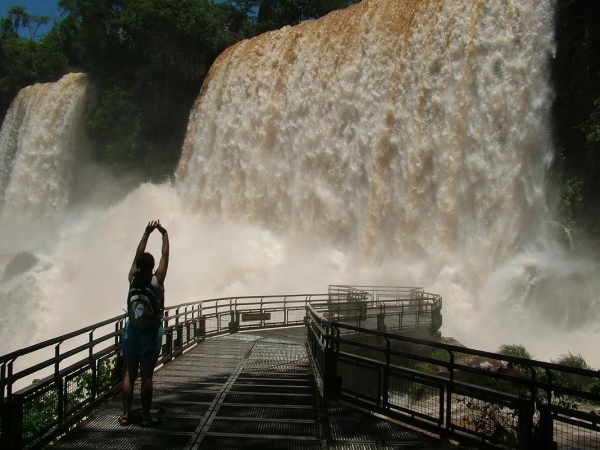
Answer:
(20, 264)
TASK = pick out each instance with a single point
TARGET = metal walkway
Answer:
(243, 391)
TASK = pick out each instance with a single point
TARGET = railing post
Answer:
(12, 423)
(118, 336)
(234, 324)
(436, 320)
(381, 321)
(168, 350)
(449, 392)
(178, 344)
(2, 383)
(546, 429)
(60, 386)
(385, 382)
(528, 439)
(94, 366)
(201, 332)
(168, 346)
(525, 426)
(117, 371)
(332, 382)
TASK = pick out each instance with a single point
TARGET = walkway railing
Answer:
(386, 308)
(477, 398)
(48, 387)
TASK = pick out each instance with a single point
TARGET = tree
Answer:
(149, 59)
(26, 61)
(576, 73)
(19, 18)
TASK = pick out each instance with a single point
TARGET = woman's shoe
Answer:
(151, 422)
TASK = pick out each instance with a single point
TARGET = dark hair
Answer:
(141, 279)
(145, 262)
(143, 276)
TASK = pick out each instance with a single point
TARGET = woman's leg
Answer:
(129, 376)
(147, 364)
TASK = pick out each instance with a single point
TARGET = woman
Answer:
(141, 347)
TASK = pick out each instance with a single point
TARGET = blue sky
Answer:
(35, 8)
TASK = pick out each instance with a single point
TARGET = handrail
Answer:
(522, 404)
(92, 350)
(540, 395)
(60, 362)
(32, 348)
(465, 350)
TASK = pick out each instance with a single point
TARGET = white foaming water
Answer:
(40, 144)
(395, 142)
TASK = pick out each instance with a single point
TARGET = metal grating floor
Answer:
(243, 391)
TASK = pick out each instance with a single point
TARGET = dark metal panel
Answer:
(80, 439)
(170, 423)
(262, 427)
(275, 382)
(265, 412)
(234, 442)
(273, 399)
(351, 429)
(378, 446)
(282, 389)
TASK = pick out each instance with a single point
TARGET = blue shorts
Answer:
(137, 342)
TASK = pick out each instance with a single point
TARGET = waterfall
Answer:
(399, 129)
(41, 142)
(40, 139)
(396, 142)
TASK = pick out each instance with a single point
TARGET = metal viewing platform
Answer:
(341, 370)
(240, 391)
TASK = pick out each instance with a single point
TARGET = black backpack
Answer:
(142, 306)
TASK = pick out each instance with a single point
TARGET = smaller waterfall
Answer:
(40, 140)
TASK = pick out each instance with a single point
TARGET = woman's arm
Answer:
(142, 247)
(163, 265)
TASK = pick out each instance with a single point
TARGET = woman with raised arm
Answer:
(141, 344)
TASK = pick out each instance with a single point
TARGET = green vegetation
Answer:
(41, 413)
(419, 391)
(441, 355)
(580, 382)
(576, 113)
(572, 360)
(25, 61)
(500, 424)
(515, 350)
